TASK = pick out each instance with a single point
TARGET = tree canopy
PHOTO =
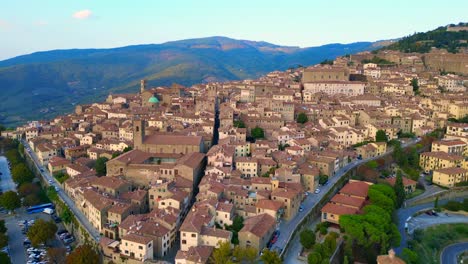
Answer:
(381, 136)
(239, 124)
(399, 189)
(302, 118)
(41, 231)
(257, 133)
(307, 238)
(57, 255)
(21, 174)
(10, 200)
(270, 257)
(100, 166)
(84, 254)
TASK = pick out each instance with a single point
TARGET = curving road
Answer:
(449, 253)
(404, 213)
(287, 227)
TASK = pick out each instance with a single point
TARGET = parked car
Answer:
(301, 208)
(68, 240)
(63, 231)
(317, 191)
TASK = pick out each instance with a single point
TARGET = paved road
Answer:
(6, 182)
(425, 221)
(287, 227)
(65, 198)
(404, 213)
(429, 190)
(449, 254)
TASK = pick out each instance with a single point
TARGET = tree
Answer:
(52, 193)
(307, 238)
(410, 257)
(84, 254)
(413, 157)
(245, 255)
(314, 258)
(270, 257)
(239, 124)
(3, 240)
(3, 228)
(21, 174)
(257, 133)
(329, 245)
(414, 83)
(10, 200)
(31, 200)
(380, 136)
(323, 178)
(399, 189)
(383, 196)
(236, 226)
(57, 255)
(302, 118)
(127, 149)
(222, 254)
(41, 231)
(4, 258)
(66, 215)
(28, 188)
(100, 166)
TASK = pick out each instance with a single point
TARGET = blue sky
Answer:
(30, 25)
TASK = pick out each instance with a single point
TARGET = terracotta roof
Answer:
(346, 200)
(357, 188)
(452, 170)
(259, 225)
(215, 232)
(406, 181)
(338, 209)
(110, 182)
(158, 139)
(442, 155)
(269, 204)
(137, 238)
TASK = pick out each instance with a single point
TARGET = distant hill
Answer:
(451, 38)
(45, 84)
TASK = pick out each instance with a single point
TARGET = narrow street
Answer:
(69, 202)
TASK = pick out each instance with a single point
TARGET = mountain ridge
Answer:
(46, 83)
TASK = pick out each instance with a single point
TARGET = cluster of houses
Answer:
(447, 161)
(182, 164)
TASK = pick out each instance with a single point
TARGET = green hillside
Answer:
(44, 84)
(439, 38)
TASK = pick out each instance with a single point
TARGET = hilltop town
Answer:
(189, 169)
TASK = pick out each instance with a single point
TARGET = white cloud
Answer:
(82, 14)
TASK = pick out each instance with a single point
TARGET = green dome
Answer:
(153, 100)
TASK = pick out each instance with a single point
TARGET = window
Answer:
(140, 247)
(194, 235)
(184, 242)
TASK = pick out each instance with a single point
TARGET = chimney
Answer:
(391, 253)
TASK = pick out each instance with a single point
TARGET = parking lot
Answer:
(15, 223)
(17, 246)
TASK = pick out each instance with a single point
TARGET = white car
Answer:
(317, 191)
(29, 250)
(51, 181)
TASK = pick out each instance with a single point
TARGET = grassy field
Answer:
(428, 243)
(414, 194)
